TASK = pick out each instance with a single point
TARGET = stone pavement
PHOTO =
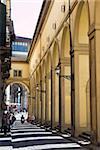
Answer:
(32, 137)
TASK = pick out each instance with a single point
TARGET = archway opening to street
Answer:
(16, 97)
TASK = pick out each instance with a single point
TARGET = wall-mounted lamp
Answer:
(37, 88)
(63, 8)
(58, 72)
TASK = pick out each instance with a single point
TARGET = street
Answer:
(32, 137)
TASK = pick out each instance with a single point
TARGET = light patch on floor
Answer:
(37, 138)
(31, 133)
(5, 139)
(27, 130)
(66, 135)
(24, 127)
(6, 148)
(48, 146)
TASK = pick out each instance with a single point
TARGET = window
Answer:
(20, 43)
(13, 43)
(25, 44)
(17, 73)
(20, 73)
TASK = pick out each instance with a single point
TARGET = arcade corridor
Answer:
(54, 76)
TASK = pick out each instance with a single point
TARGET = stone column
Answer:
(38, 99)
(65, 94)
(52, 100)
(94, 41)
(48, 95)
(94, 37)
(62, 99)
(42, 102)
(1, 95)
(46, 102)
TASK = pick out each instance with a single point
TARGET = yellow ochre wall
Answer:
(51, 48)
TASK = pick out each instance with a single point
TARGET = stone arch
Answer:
(65, 43)
(19, 82)
(37, 77)
(65, 70)
(33, 94)
(82, 23)
(48, 81)
(55, 61)
(43, 68)
(81, 69)
(37, 94)
(38, 91)
(43, 88)
(48, 60)
(55, 55)
(34, 80)
(17, 92)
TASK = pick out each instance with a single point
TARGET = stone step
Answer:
(87, 134)
(80, 140)
(84, 136)
(68, 130)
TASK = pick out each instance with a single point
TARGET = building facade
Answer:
(20, 48)
(6, 37)
(66, 38)
(19, 74)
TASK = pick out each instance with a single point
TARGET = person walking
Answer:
(4, 122)
(22, 119)
(13, 120)
(10, 119)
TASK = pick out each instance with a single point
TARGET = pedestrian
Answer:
(4, 122)
(22, 119)
(13, 119)
(8, 121)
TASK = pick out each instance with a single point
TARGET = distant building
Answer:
(6, 37)
(20, 48)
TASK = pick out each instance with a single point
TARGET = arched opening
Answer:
(66, 82)
(44, 94)
(65, 43)
(38, 93)
(83, 26)
(56, 84)
(33, 94)
(37, 96)
(16, 97)
(81, 67)
(48, 90)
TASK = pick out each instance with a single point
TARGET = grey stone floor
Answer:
(31, 137)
